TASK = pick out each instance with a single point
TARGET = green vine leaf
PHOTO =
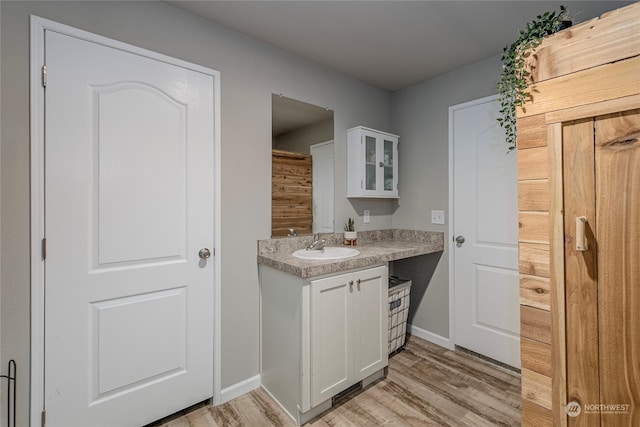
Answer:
(513, 83)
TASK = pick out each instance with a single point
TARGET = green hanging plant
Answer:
(513, 82)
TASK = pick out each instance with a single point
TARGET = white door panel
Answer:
(486, 279)
(129, 204)
(153, 348)
(140, 197)
(322, 169)
(493, 288)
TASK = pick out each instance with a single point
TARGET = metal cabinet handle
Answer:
(351, 285)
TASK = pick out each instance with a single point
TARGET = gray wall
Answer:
(420, 115)
(250, 73)
(300, 140)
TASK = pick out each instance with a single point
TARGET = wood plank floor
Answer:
(426, 385)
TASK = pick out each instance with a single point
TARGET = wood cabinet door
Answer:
(601, 160)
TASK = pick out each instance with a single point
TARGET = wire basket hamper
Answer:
(399, 291)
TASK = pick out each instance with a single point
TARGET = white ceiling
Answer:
(389, 44)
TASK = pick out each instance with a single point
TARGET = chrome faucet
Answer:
(317, 243)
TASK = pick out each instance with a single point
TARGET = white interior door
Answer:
(485, 223)
(322, 182)
(129, 204)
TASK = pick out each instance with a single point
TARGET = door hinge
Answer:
(44, 249)
(44, 76)
(43, 419)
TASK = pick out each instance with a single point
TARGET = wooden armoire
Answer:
(579, 219)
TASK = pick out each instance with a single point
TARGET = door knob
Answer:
(204, 253)
(460, 239)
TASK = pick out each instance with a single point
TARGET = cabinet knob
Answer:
(351, 285)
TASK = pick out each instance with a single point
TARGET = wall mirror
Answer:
(302, 162)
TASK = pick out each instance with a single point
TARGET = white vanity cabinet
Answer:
(348, 330)
(321, 336)
(372, 163)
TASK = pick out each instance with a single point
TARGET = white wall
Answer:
(250, 73)
(420, 116)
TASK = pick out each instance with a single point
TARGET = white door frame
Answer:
(452, 110)
(37, 55)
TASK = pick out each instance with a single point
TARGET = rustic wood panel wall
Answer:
(581, 72)
(291, 193)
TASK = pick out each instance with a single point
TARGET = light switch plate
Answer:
(437, 217)
(367, 218)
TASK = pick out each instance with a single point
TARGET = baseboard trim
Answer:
(238, 389)
(431, 337)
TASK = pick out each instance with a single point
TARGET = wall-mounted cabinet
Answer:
(372, 163)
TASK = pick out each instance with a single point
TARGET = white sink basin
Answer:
(330, 252)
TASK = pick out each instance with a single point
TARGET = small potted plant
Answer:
(350, 233)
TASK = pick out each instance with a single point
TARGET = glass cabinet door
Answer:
(370, 163)
(388, 165)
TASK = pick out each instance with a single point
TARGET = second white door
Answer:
(485, 232)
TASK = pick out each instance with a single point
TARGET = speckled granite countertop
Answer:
(375, 247)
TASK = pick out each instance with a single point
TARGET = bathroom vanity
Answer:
(324, 322)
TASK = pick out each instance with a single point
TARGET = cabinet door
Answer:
(389, 170)
(371, 150)
(380, 165)
(601, 288)
(370, 316)
(331, 327)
